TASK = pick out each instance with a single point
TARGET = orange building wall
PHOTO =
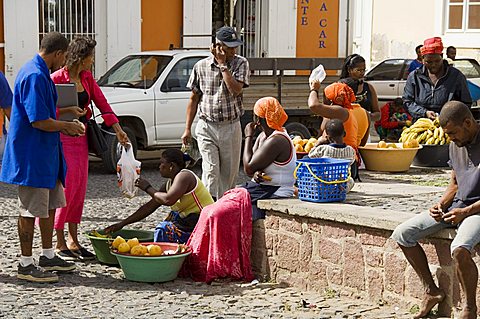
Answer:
(2, 39)
(162, 23)
(317, 28)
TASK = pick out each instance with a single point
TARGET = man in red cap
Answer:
(431, 86)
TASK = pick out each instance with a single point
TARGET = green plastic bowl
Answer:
(102, 245)
(152, 269)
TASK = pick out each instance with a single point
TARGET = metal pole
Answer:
(347, 21)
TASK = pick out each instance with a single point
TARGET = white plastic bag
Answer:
(317, 74)
(128, 171)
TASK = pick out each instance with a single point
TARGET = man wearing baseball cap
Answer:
(217, 84)
(431, 86)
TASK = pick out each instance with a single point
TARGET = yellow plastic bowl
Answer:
(387, 159)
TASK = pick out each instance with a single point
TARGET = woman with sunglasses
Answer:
(354, 68)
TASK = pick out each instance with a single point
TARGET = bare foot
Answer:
(468, 313)
(74, 247)
(429, 301)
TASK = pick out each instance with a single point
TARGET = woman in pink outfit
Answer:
(80, 57)
(222, 239)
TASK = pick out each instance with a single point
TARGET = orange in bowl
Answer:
(382, 144)
(410, 144)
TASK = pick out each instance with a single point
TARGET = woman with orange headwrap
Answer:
(271, 161)
(354, 118)
(222, 238)
(341, 96)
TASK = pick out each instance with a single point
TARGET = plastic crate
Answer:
(322, 180)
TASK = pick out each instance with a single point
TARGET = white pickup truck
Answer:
(148, 93)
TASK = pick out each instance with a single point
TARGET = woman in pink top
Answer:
(80, 58)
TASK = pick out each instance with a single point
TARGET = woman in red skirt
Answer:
(80, 57)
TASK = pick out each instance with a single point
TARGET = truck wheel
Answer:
(294, 129)
(112, 155)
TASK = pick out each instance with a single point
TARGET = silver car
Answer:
(389, 76)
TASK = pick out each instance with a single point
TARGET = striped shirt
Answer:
(217, 104)
(333, 151)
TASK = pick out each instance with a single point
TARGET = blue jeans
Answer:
(408, 233)
(167, 231)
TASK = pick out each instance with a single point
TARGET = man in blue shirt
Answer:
(418, 62)
(33, 157)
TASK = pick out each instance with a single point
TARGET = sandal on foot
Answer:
(67, 255)
(84, 254)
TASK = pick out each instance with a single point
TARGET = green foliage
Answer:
(330, 293)
(414, 309)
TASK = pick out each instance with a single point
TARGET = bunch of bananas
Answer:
(95, 233)
(425, 131)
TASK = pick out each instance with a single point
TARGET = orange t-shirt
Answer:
(351, 130)
(362, 121)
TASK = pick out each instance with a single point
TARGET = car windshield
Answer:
(468, 68)
(135, 71)
(387, 70)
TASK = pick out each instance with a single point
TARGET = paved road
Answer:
(98, 291)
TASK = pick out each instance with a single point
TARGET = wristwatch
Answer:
(223, 68)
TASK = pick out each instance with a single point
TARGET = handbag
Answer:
(97, 143)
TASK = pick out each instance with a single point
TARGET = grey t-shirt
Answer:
(465, 161)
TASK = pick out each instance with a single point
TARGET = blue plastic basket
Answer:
(474, 90)
(322, 180)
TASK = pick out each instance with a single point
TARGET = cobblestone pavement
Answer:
(99, 291)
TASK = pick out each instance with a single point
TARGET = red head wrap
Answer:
(432, 46)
